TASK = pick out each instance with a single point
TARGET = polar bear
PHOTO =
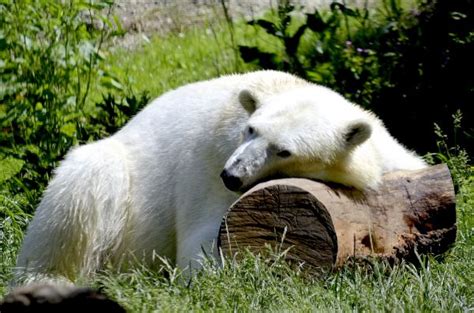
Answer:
(161, 185)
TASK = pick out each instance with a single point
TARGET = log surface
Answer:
(325, 224)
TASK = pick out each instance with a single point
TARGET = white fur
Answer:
(154, 186)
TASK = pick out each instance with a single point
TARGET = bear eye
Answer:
(251, 131)
(284, 154)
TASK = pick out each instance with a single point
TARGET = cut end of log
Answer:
(284, 217)
(323, 225)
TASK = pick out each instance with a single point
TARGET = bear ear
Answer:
(248, 101)
(357, 132)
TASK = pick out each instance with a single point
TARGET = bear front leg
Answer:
(196, 243)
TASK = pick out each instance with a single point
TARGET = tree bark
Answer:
(323, 225)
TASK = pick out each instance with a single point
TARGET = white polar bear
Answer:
(154, 188)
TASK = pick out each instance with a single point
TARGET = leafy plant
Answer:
(280, 29)
(455, 157)
(111, 114)
(51, 53)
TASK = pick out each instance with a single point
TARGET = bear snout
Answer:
(231, 182)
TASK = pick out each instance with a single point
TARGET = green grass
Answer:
(11, 233)
(165, 63)
(256, 284)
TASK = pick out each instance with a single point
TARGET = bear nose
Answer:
(232, 182)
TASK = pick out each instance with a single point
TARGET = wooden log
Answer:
(324, 225)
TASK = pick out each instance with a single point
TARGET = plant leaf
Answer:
(69, 129)
(9, 167)
(269, 27)
(315, 22)
(344, 9)
(265, 59)
(293, 42)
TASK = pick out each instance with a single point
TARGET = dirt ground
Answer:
(145, 18)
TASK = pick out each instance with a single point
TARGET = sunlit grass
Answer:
(167, 62)
(256, 284)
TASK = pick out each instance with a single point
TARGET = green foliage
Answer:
(281, 29)
(51, 54)
(9, 167)
(112, 113)
(407, 66)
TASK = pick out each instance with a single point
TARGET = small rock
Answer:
(51, 298)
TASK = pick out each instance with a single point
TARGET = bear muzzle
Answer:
(231, 182)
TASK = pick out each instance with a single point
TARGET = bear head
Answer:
(307, 132)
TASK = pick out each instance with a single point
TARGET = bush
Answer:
(52, 53)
